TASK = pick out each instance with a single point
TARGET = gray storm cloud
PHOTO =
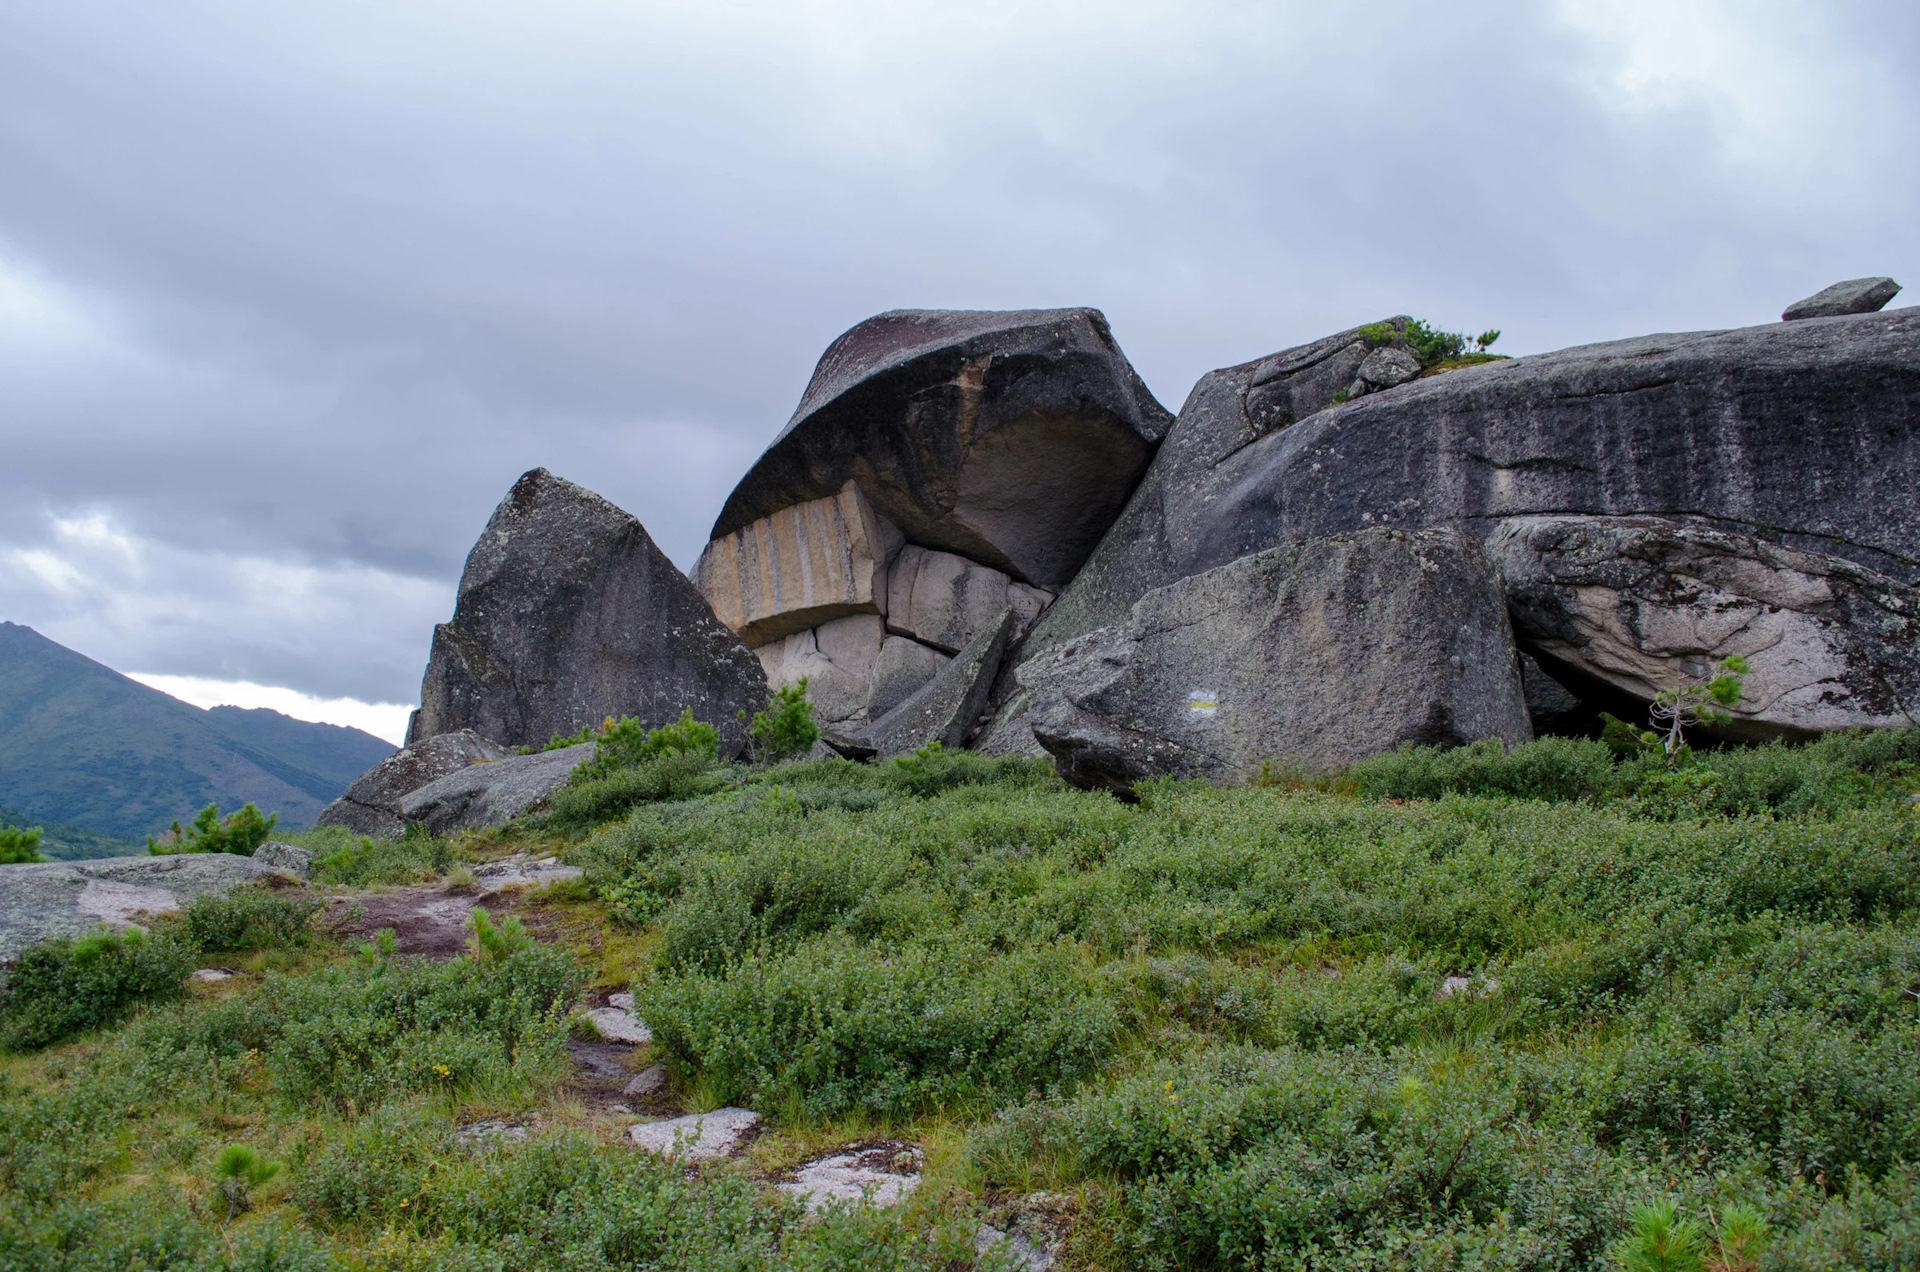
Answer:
(290, 293)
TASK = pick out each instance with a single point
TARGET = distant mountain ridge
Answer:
(83, 746)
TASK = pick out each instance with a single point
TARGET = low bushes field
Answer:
(1553, 1007)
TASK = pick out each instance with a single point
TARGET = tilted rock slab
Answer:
(1854, 296)
(567, 613)
(492, 792)
(67, 898)
(1010, 438)
(1805, 433)
(948, 707)
(1643, 604)
(371, 805)
(904, 667)
(1310, 656)
(798, 567)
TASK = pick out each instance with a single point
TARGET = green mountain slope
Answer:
(60, 842)
(84, 746)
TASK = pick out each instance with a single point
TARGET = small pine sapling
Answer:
(626, 743)
(1742, 1237)
(238, 1171)
(19, 845)
(1484, 341)
(1696, 702)
(495, 944)
(239, 834)
(1661, 1241)
(787, 729)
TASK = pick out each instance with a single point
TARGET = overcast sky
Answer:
(290, 293)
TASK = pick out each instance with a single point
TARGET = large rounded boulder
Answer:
(1801, 433)
(1010, 438)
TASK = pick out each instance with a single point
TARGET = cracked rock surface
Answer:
(1800, 433)
(1310, 656)
(1642, 604)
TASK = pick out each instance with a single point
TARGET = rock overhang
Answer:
(1010, 437)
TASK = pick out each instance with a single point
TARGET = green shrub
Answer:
(839, 1028)
(155, 1229)
(1661, 1241)
(250, 917)
(1547, 768)
(1242, 1158)
(345, 859)
(932, 769)
(786, 728)
(19, 845)
(586, 803)
(241, 832)
(1866, 769)
(379, 1171)
(59, 987)
(356, 1036)
(1429, 345)
(626, 743)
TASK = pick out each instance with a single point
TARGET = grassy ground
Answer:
(1464, 1009)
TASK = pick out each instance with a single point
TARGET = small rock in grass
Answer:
(1034, 1258)
(880, 1176)
(649, 1081)
(479, 1135)
(1463, 984)
(296, 861)
(697, 1137)
(618, 1026)
(622, 1001)
(211, 974)
(518, 871)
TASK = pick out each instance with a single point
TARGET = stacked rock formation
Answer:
(981, 529)
(944, 475)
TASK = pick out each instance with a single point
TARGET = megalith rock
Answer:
(1308, 656)
(1802, 433)
(1642, 604)
(1010, 438)
(798, 567)
(1225, 414)
(904, 667)
(371, 805)
(567, 613)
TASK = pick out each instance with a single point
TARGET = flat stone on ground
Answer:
(618, 1026)
(517, 871)
(697, 1137)
(878, 1176)
(66, 898)
(649, 1081)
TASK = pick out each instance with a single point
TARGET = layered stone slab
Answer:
(798, 567)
